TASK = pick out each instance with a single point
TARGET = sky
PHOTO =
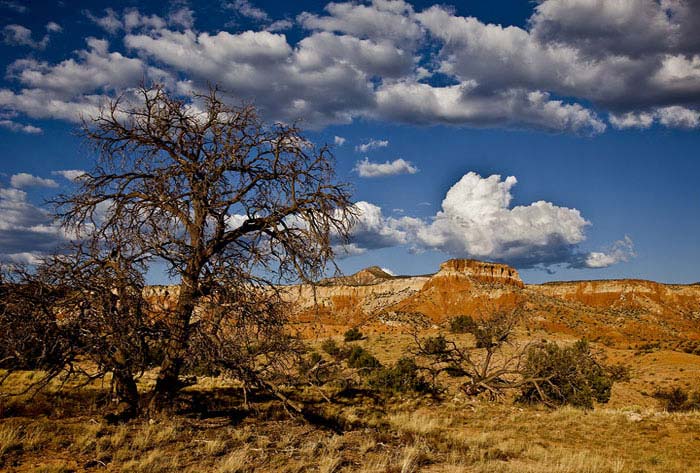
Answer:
(557, 136)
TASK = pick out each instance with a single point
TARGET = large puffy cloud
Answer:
(497, 58)
(622, 27)
(39, 103)
(478, 221)
(95, 67)
(570, 52)
(594, 26)
(287, 83)
(74, 87)
(378, 58)
(637, 62)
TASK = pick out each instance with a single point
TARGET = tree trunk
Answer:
(167, 382)
(127, 394)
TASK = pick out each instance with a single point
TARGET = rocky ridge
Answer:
(612, 311)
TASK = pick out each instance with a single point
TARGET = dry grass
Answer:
(235, 462)
(481, 437)
(9, 438)
(64, 432)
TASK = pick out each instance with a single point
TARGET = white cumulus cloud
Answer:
(366, 168)
(620, 251)
(371, 144)
(26, 231)
(19, 127)
(636, 62)
(24, 179)
(674, 116)
(478, 221)
(248, 10)
(18, 35)
(679, 117)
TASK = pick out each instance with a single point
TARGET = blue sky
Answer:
(598, 125)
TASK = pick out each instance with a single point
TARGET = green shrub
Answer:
(489, 332)
(647, 348)
(331, 347)
(435, 345)
(309, 361)
(568, 375)
(353, 334)
(401, 377)
(678, 400)
(619, 372)
(691, 347)
(360, 358)
(462, 324)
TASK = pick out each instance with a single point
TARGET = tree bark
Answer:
(128, 395)
(168, 382)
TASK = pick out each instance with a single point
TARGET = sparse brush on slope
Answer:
(678, 399)
(353, 334)
(403, 376)
(543, 372)
(487, 367)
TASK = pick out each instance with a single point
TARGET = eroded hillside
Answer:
(617, 312)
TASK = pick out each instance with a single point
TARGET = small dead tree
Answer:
(542, 372)
(114, 327)
(225, 200)
(31, 336)
(82, 305)
(492, 366)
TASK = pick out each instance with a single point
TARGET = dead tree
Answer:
(215, 193)
(112, 325)
(84, 304)
(31, 336)
(492, 366)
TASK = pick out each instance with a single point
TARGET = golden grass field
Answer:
(64, 431)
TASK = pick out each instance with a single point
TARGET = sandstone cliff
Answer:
(616, 312)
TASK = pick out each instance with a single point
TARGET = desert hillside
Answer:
(616, 312)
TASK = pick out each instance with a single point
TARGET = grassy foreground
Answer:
(362, 432)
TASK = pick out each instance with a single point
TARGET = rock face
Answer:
(617, 311)
(374, 297)
(479, 271)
